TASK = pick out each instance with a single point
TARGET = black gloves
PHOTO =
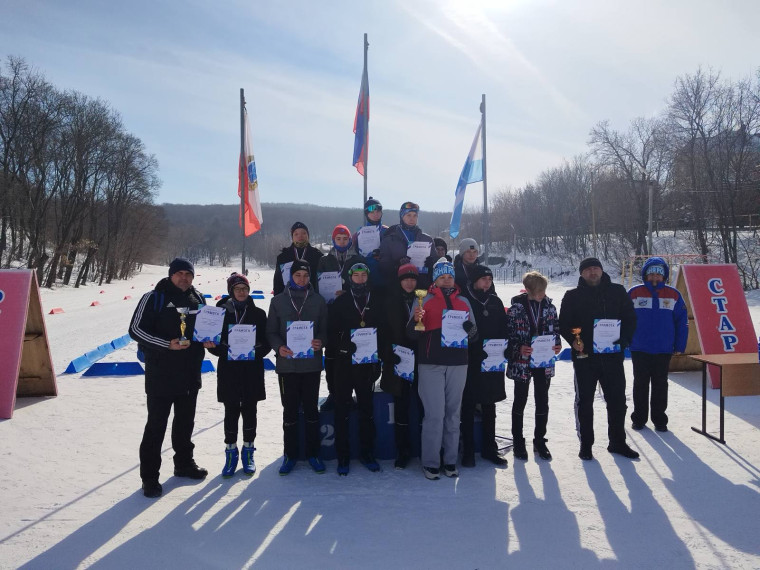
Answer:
(396, 359)
(467, 326)
(404, 260)
(506, 353)
(347, 348)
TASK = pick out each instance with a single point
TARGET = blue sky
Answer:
(550, 71)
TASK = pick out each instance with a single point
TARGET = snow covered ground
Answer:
(70, 489)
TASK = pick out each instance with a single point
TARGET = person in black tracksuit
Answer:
(484, 388)
(357, 308)
(172, 373)
(596, 297)
(399, 305)
(299, 249)
(240, 383)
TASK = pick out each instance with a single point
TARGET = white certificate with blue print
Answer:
(241, 342)
(208, 324)
(418, 252)
(543, 351)
(368, 239)
(330, 282)
(495, 361)
(299, 337)
(606, 334)
(453, 334)
(405, 368)
(365, 340)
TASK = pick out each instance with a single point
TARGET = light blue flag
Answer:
(472, 172)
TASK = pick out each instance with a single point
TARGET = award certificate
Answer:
(368, 239)
(299, 337)
(330, 282)
(208, 324)
(365, 340)
(543, 351)
(495, 361)
(241, 342)
(405, 368)
(418, 252)
(452, 333)
(606, 332)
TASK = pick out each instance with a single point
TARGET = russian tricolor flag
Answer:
(472, 172)
(361, 126)
(250, 219)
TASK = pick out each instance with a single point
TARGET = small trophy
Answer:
(183, 312)
(577, 332)
(420, 293)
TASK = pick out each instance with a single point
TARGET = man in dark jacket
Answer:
(172, 372)
(299, 249)
(401, 241)
(597, 303)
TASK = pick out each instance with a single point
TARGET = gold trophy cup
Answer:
(420, 293)
(183, 312)
(577, 332)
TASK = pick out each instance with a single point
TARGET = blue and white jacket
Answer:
(662, 324)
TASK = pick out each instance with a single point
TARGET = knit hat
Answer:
(480, 271)
(440, 242)
(442, 267)
(236, 279)
(656, 268)
(298, 226)
(357, 267)
(589, 262)
(340, 230)
(407, 207)
(181, 264)
(466, 244)
(372, 204)
(300, 265)
(407, 270)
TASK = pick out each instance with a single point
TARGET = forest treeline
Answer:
(77, 191)
(699, 159)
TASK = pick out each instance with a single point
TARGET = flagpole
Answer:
(242, 167)
(486, 239)
(366, 129)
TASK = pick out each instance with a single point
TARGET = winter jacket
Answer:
(154, 324)
(398, 308)
(461, 277)
(429, 349)
(288, 255)
(485, 387)
(344, 317)
(330, 262)
(522, 329)
(662, 322)
(394, 246)
(281, 311)
(241, 380)
(582, 305)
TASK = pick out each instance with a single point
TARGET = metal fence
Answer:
(514, 273)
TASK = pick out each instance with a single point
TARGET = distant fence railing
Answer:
(514, 273)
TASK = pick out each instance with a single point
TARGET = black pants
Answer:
(232, 412)
(300, 391)
(350, 378)
(607, 370)
(330, 373)
(401, 405)
(650, 368)
(488, 445)
(541, 396)
(159, 408)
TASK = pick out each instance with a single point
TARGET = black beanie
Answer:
(439, 242)
(590, 262)
(297, 226)
(236, 279)
(180, 264)
(300, 265)
(480, 271)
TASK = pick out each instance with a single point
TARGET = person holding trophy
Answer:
(172, 372)
(598, 320)
(443, 325)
